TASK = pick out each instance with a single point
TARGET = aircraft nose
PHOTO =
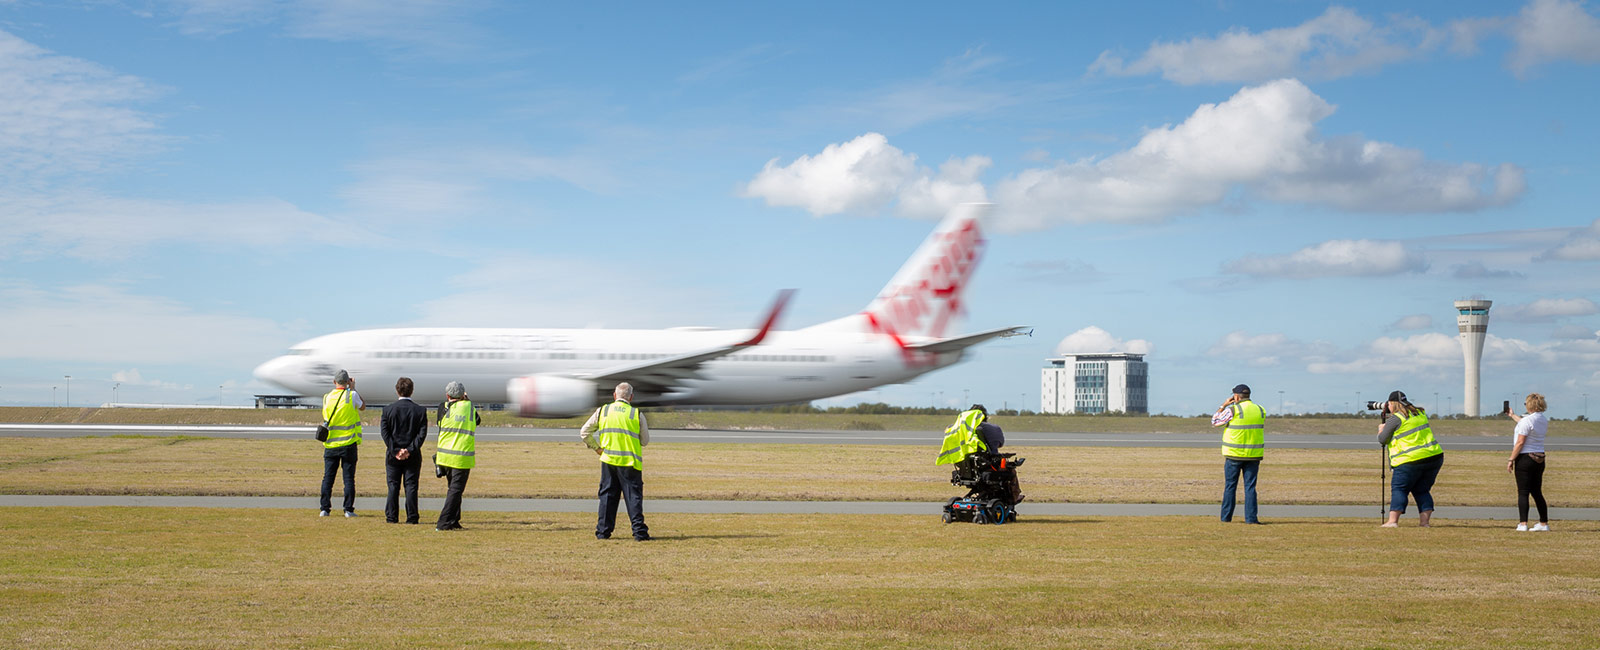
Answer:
(275, 371)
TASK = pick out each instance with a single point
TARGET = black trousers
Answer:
(1530, 481)
(406, 472)
(628, 483)
(332, 460)
(450, 516)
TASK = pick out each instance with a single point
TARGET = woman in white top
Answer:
(1527, 461)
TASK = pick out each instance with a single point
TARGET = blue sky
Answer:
(1284, 194)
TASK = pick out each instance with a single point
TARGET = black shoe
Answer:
(599, 536)
(642, 538)
(411, 521)
(391, 521)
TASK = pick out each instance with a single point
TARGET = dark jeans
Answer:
(627, 482)
(1530, 481)
(1414, 478)
(450, 516)
(402, 471)
(1231, 469)
(332, 459)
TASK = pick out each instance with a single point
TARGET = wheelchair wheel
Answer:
(980, 516)
(997, 510)
(946, 518)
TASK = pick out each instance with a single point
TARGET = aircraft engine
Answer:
(549, 396)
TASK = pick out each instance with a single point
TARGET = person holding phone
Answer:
(1527, 460)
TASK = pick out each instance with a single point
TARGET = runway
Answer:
(373, 507)
(1017, 439)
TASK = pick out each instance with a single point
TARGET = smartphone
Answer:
(1505, 406)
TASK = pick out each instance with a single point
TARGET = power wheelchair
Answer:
(992, 489)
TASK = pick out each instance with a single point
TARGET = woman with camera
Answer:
(1415, 456)
(1527, 461)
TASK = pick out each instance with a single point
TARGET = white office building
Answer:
(1095, 383)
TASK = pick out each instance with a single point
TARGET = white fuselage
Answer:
(792, 366)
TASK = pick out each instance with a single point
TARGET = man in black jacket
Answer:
(405, 427)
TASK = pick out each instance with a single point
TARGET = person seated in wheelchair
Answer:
(973, 445)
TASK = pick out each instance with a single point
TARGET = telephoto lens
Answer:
(1376, 406)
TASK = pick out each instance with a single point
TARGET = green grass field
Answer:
(179, 578)
(228, 467)
(793, 421)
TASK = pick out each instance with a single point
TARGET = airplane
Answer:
(553, 373)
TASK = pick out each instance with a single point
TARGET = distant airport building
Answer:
(1095, 383)
(1472, 320)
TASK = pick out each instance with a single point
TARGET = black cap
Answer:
(1398, 396)
(979, 407)
(1241, 389)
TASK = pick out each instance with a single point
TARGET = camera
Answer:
(1377, 406)
(438, 470)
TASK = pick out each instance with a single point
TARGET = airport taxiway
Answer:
(801, 437)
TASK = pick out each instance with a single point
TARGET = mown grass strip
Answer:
(152, 577)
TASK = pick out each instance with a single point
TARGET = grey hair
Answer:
(342, 377)
(624, 390)
(454, 390)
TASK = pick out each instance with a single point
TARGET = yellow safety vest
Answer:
(458, 433)
(961, 439)
(1413, 441)
(619, 435)
(344, 421)
(1245, 435)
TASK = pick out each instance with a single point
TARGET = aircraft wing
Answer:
(660, 376)
(963, 342)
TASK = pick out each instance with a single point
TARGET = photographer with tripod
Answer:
(1414, 455)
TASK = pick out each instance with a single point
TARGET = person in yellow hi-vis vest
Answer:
(341, 408)
(1244, 444)
(617, 433)
(457, 451)
(1414, 455)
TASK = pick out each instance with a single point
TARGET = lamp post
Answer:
(114, 388)
(1280, 402)
(964, 399)
(66, 393)
(1450, 403)
(1585, 406)
(1436, 401)
(53, 402)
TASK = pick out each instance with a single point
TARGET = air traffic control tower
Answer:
(1472, 319)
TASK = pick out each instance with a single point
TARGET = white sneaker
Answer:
(324, 513)
(1522, 527)
(1540, 527)
(349, 514)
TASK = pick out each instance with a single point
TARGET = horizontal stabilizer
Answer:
(963, 342)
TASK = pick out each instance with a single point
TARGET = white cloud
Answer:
(132, 377)
(1336, 258)
(1440, 353)
(452, 182)
(1582, 245)
(1553, 30)
(60, 114)
(1548, 309)
(865, 175)
(98, 227)
(106, 325)
(1092, 339)
(434, 26)
(1262, 139)
(1413, 322)
(1267, 350)
(1336, 44)
(1341, 43)
(1477, 271)
(548, 291)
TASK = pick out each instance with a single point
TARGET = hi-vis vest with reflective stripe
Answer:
(619, 435)
(1413, 440)
(458, 442)
(1245, 436)
(961, 439)
(344, 421)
